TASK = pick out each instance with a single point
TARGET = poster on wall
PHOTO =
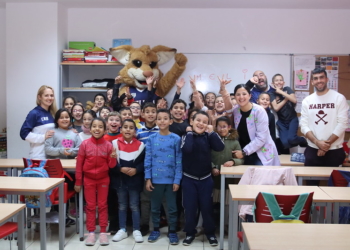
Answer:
(302, 69)
(300, 95)
(331, 65)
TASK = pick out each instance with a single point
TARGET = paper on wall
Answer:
(300, 95)
(302, 69)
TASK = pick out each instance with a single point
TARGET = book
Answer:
(73, 51)
(119, 42)
(74, 56)
(72, 62)
(74, 59)
(97, 53)
(96, 60)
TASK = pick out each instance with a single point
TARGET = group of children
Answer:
(138, 151)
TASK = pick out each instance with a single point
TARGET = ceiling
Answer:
(248, 4)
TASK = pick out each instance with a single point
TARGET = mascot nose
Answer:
(147, 73)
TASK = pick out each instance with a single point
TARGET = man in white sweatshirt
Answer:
(324, 118)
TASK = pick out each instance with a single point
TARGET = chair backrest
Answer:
(286, 203)
(339, 178)
(54, 168)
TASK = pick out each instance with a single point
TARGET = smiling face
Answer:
(113, 124)
(99, 101)
(149, 114)
(68, 104)
(264, 100)
(242, 97)
(128, 131)
(125, 102)
(77, 112)
(200, 123)
(210, 100)
(104, 113)
(87, 119)
(135, 110)
(126, 114)
(178, 111)
(319, 81)
(223, 128)
(278, 82)
(46, 99)
(163, 121)
(97, 129)
(109, 95)
(262, 84)
(64, 121)
(219, 104)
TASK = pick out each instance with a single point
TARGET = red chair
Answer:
(7, 229)
(286, 203)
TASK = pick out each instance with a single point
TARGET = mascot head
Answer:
(143, 62)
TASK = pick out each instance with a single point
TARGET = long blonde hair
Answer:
(53, 107)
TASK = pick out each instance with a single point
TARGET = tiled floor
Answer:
(72, 242)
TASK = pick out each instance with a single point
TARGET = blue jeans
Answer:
(288, 133)
(131, 197)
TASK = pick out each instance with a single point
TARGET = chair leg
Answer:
(76, 213)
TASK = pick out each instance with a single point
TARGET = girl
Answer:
(77, 113)
(224, 158)
(68, 103)
(264, 101)
(95, 157)
(252, 124)
(39, 123)
(88, 116)
(283, 102)
(64, 144)
(109, 95)
(177, 111)
(103, 113)
(100, 101)
(128, 179)
(197, 184)
(210, 100)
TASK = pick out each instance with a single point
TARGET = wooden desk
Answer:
(285, 161)
(243, 194)
(275, 236)
(7, 211)
(339, 195)
(38, 186)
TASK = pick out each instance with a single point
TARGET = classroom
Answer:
(34, 33)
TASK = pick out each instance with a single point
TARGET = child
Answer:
(109, 94)
(283, 102)
(99, 101)
(64, 144)
(77, 113)
(149, 114)
(264, 101)
(197, 184)
(224, 158)
(136, 113)
(177, 111)
(103, 113)
(163, 172)
(113, 124)
(95, 157)
(88, 116)
(68, 103)
(233, 99)
(125, 113)
(128, 178)
(210, 100)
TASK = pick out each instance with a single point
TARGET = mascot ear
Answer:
(121, 53)
(164, 53)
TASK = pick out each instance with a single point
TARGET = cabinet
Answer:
(73, 74)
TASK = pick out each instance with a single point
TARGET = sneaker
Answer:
(103, 239)
(153, 237)
(188, 240)
(120, 235)
(90, 240)
(137, 236)
(173, 239)
(69, 222)
(144, 230)
(212, 240)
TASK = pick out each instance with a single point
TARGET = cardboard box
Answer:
(87, 46)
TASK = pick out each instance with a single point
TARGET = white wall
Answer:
(31, 61)
(2, 68)
(217, 30)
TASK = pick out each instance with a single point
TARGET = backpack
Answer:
(36, 169)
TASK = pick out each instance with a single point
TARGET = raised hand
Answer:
(149, 81)
(127, 93)
(180, 83)
(161, 104)
(193, 83)
(118, 80)
(223, 82)
(254, 80)
(155, 82)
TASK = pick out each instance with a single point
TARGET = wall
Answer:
(217, 30)
(2, 68)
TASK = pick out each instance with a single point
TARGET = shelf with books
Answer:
(91, 64)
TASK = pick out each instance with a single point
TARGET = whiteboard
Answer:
(237, 67)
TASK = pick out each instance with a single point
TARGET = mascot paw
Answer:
(180, 59)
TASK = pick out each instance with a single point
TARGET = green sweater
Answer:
(219, 158)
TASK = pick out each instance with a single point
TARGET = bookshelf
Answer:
(73, 74)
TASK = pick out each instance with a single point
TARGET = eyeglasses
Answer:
(221, 128)
(138, 108)
(77, 111)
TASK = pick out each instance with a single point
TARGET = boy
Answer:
(125, 113)
(163, 173)
(113, 124)
(136, 112)
(178, 110)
